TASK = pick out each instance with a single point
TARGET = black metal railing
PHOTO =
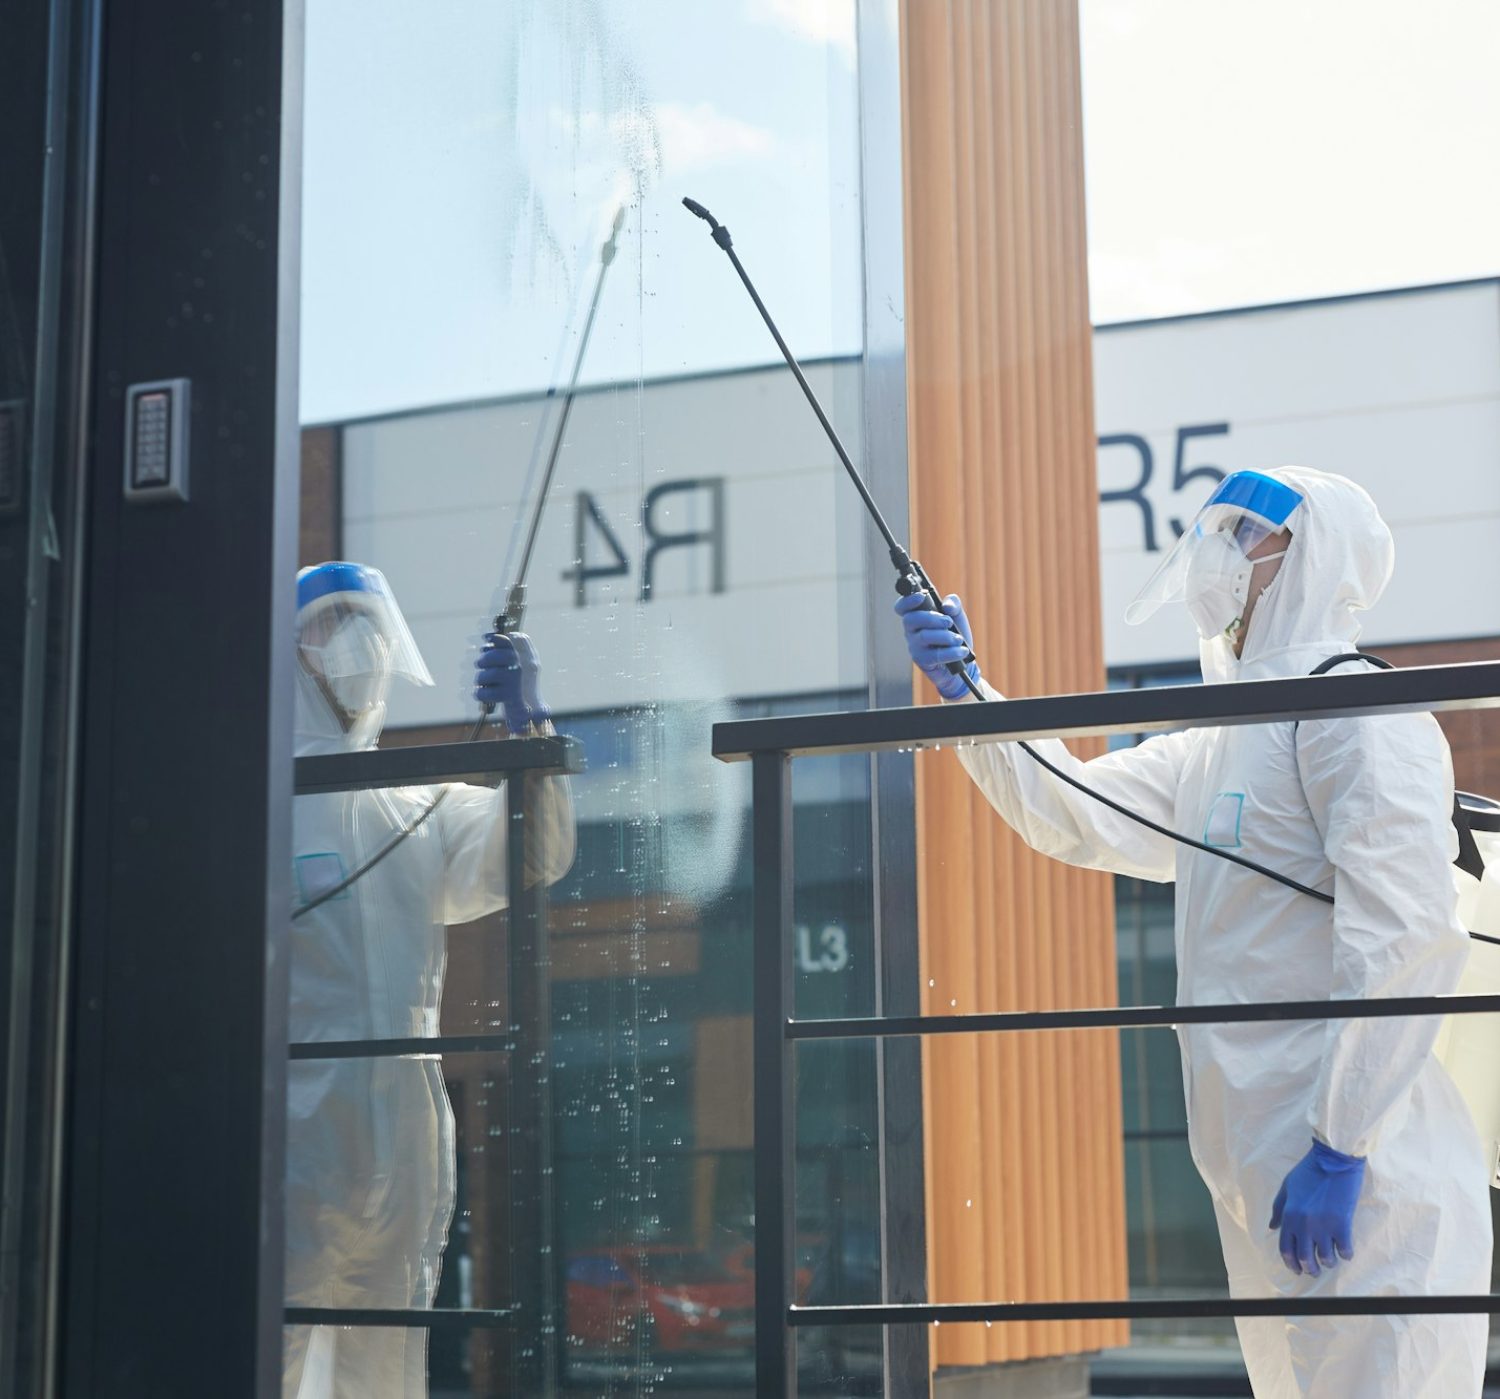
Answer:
(771, 744)
(533, 1310)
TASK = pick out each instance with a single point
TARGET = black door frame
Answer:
(173, 1243)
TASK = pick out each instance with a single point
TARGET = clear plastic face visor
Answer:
(1243, 511)
(349, 625)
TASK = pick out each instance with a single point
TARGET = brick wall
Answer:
(1474, 734)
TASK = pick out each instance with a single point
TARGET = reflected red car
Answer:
(740, 1263)
(686, 1301)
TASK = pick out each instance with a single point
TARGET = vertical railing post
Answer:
(775, 1119)
(533, 1262)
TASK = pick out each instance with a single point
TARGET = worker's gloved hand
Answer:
(505, 674)
(1314, 1209)
(933, 642)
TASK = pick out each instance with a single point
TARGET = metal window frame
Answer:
(42, 509)
(769, 745)
(1100, 714)
(900, 1158)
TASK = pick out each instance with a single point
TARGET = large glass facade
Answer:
(508, 321)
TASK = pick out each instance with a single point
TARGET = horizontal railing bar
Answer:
(424, 1318)
(393, 1049)
(482, 762)
(1161, 1309)
(1475, 685)
(1136, 1017)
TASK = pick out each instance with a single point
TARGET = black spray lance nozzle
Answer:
(721, 234)
(607, 252)
(914, 579)
(510, 619)
(507, 623)
(911, 578)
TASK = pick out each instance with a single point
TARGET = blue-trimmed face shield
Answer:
(351, 635)
(1210, 567)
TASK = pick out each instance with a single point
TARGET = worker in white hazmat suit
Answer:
(1339, 1156)
(370, 1143)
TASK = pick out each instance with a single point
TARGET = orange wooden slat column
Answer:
(1025, 1173)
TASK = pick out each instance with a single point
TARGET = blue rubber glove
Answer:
(1314, 1209)
(933, 642)
(505, 675)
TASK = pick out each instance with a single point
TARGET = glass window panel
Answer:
(463, 178)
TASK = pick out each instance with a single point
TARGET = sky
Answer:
(1248, 151)
(463, 160)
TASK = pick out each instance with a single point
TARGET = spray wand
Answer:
(911, 577)
(509, 620)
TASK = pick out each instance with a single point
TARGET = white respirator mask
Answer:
(354, 663)
(1217, 587)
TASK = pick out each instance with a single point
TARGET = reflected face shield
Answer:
(352, 638)
(1210, 567)
(331, 594)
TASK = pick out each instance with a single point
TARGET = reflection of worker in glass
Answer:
(370, 1147)
(1340, 1157)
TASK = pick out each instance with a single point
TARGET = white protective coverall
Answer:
(370, 1145)
(1361, 809)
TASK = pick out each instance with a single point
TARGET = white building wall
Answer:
(432, 499)
(1400, 392)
